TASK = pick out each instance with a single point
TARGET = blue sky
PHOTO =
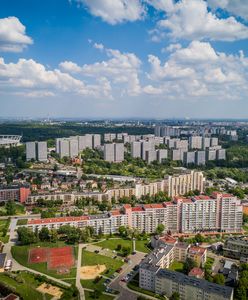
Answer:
(124, 58)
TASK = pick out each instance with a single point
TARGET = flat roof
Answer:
(205, 285)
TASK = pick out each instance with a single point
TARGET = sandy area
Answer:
(91, 272)
(50, 289)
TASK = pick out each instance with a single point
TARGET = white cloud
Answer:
(98, 46)
(70, 67)
(236, 7)
(34, 80)
(199, 71)
(190, 19)
(116, 11)
(171, 48)
(13, 36)
(120, 68)
(164, 5)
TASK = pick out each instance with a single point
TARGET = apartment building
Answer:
(195, 142)
(180, 215)
(167, 282)
(237, 248)
(14, 193)
(136, 149)
(114, 152)
(155, 276)
(36, 151)
(183, 183)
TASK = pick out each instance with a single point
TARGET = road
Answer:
(121, 287)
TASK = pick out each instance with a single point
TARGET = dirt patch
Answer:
(46, 288)
(91, 272)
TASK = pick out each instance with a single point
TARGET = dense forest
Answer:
(32, 131)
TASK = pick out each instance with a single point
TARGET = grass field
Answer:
(91, 259)
(27, 288)
(89, 296)
(176, 266)
(20, 253)
(90, 284)
(4, 224)
(112, 244)
(22, 222)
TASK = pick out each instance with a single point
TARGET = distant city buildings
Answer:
(114, 152)
(36, 151)
(70, 147)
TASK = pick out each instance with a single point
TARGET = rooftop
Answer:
(57, 220)
(208, 287)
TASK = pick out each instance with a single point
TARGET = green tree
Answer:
(44, 234)
(126, 250)
(189, 265)
(175, 296)
(160, 228)
(26, 236)
(219, 279)
(10, 208)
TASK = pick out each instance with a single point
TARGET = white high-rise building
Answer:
(36, 151)
(41, 151)
(162, 154)
(109, 152)
(73, 147)
(136, 149)
(146, 146)
(30, 151)
(195, 142)
(96, 140)
(119, 152)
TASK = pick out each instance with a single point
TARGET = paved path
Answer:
(78, 283)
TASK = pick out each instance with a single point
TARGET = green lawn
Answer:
(89, 296)
(91, 259)
(27, 289)
(90, 284)
(4, 225)
(22, 222)
(141, 246)
(20, 253)
(176, 266)
(112, 244)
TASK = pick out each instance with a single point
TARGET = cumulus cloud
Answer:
(199, 71)
(34, 80)
(120, 68)
(116, 11)
(171, 48)
(191, 19)
(13, 36)
(235, 7)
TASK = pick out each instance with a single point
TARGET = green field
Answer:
(91, 259)
(4, 224)
(176, 266)
(22, 222)
(112, 244)
(89, 296)
(26, 288)
(20, 253)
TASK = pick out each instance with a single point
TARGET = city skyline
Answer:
(124, 59)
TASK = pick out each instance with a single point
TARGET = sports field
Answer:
(56, 258)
